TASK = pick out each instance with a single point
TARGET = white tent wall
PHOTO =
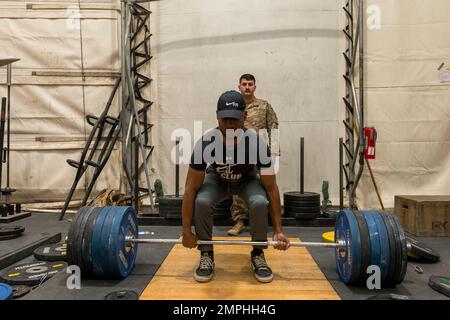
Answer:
(406, 100)
(200, 48)
(47, 39)
(293, 48)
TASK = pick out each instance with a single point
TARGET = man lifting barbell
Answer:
(231, 160)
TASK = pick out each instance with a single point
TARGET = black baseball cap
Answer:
(231, 104)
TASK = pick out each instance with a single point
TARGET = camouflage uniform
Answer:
(260, 115)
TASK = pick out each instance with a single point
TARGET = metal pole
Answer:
(177, 169)
(341, 175)
(2, 136)
(302, 165)
(232, 242)
(8, 132)
(136, 176)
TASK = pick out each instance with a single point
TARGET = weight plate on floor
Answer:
(302, 216)
(32, 273)
(392, 249)
(348, 258)
(171, 215)
(421, 251)
(302, 209)
(384, 244)
(51, 252)
(11, 231)
(403, 256)
(122, 295)
(328, 237)
(20, 291)
(367, 254)
(170, 201)
(288, 203)
(297, 196)
(6, 292)
(440, 284)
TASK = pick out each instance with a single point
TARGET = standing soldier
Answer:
(260, 115)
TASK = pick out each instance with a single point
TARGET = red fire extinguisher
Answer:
(371, 139)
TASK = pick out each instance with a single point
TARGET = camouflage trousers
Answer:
(239, 209)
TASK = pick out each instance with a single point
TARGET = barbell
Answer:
(103, 242)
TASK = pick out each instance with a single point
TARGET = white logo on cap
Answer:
(234, 104)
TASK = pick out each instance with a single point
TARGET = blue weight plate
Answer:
(123, 257)
(348, 258)
(97, 243)
(375, 242)
(105, 246)
(6, 291)
(384, 243)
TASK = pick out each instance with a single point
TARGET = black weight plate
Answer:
(51, 252)
(366, 257)
(11, 231)
(388, 296)
(20, 290)
(77, 243)
(32, 273)
(297, 196)
(122, 295)
(440, 284)
(170, 201)
(397, 277)
(302, 203)
(392, 249)
(302, 216)
(86, 243)
(302, 209)
(172, 215)
(404, 250)
(73, 229)
(422, 251)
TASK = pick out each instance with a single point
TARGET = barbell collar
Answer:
(236, 242)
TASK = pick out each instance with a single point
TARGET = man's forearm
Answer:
(275, 210)
(188, 210)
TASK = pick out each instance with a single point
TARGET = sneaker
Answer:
(237, 228)
(205, 270)
(260, 268)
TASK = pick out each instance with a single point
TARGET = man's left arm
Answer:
(270, 185)
(271, 123)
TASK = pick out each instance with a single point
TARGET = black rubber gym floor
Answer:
(150, 257)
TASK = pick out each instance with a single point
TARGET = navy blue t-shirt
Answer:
(232, 163)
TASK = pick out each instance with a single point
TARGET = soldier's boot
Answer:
(237, 228)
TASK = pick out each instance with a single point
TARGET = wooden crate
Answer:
(424, 215)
